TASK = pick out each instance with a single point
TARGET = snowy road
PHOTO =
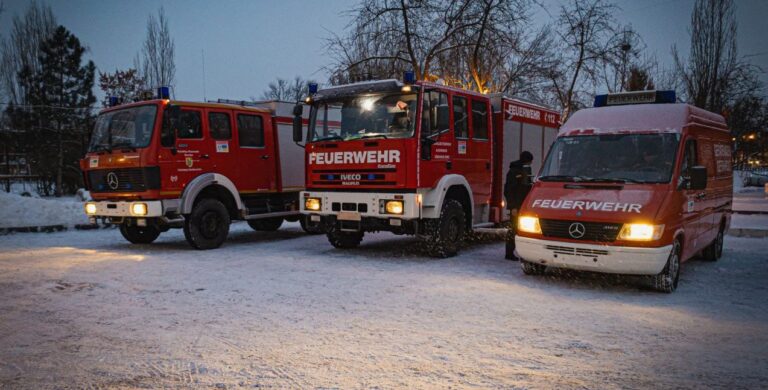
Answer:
(285, 310)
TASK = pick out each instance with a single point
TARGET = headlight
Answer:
(528, 224)
(394, 207)
(640, 232)
(139, 209)
(312, 204)
(90, 208)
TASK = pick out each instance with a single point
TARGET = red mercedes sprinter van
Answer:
(636, 185)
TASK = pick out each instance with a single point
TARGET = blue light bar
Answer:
(409, 77)
(312, 88)
(164, 92)
(113, 101)
(636, 97)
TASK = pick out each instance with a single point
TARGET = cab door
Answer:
(436, 139)
(223, 154)
(185, 153)
(472, 154)
(256, 152)
(694, 207)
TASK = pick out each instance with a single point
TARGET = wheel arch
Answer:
(449, 187)
(213, 185)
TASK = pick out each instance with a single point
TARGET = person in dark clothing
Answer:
(516, 187)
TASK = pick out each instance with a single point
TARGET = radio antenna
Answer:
(203, 54)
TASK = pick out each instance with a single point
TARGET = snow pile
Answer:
(23, 211)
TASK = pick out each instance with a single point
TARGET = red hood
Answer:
(620, 203)
(372, 163)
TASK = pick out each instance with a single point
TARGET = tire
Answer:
(208, 225)
(714, 251)
(532, 268)
(445, 235)
(344, 240)
(139, 234)
(266, 224)
(305, 225)
(667, 280)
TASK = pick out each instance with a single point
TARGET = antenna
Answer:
(203, 53)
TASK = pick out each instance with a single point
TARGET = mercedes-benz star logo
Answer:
(577, 230)
(112, 181)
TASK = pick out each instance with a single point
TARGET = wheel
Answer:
(344, 240)
(266, 224)
(715, 250)
(208, 224)
(308, 228)
(445, 235)
(666, 281)
(532, 268)
(139, 234)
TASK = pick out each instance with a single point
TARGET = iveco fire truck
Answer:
(414, 158)
(159, 164)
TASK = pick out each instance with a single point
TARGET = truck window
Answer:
(250, 129)
(479, 120)
(690, 158)
(219, 125)
(189, 125)
(460, 125)
(434, 113)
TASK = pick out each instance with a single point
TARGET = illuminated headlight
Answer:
(393, 207)
(640, 232)
(90, 208)
(312, 204)
(139, 209)
(528, 224)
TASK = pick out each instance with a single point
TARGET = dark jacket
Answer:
(517, 185)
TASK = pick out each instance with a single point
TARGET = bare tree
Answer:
(286, 90)
(21, 49)
(126, 85)
(586, 33)
(156, 61)
(713, 75)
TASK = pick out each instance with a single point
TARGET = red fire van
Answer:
(636, 185)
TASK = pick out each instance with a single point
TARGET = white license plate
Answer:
(348, 216)
(314, 218)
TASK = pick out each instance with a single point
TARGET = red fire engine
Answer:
(414, 158)
(160, 164)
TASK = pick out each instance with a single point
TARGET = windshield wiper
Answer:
(329, 138)
(366, 136)
(124, 146)
(564, 178)
(612, 180)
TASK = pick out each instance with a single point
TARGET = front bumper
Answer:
(155, 208)
(590, 257)
(362, 211)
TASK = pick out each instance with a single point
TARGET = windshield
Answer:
(126, 128)
(630, 158)
(364, 116)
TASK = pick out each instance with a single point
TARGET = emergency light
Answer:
(409, 77)
(113, 101)
(636, 97)
(164, 92)
(312, 88)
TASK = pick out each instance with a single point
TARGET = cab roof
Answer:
(663, 118)
(192, 104)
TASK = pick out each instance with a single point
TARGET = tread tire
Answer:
(344, 240)
(266, 224)
(445, 235)
(139, 234)
(532, 268)
(207, 226)
(666, 281)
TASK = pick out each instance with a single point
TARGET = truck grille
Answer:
(124, 180)
(592, 231)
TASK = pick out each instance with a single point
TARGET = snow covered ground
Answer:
(32, 211)
(286, 310)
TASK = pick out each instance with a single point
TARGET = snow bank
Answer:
(24, 211)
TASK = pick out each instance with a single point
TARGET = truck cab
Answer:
(159, 164)
(637, 185)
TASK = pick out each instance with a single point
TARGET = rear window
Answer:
(219, 125)
(479, 120)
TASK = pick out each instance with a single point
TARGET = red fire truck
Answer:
(414, 158)
(159, 164)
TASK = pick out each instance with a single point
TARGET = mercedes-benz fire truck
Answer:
(160, 164)
(415, 158)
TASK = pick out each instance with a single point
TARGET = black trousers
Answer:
(510, 239)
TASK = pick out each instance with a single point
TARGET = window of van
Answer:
(189, 125)
(250, 129)
(219, 125)
(460, 117)
(479, 120)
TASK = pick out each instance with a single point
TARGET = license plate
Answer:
(314, 218)
(348, 216)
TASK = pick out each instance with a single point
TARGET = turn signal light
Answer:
(139, 209)
(312, 204)
(528, 224)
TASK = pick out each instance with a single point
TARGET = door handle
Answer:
(264, 157)
(449, 164)
(487, 166)
(205, 157)
(701, 195)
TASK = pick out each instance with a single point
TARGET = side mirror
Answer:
(443, 118)
(698, 179)
(297, 123)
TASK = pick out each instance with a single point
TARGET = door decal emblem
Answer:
(577, 230)
(190, 162)
(112, 181)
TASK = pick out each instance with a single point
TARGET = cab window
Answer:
(434, 118)
(250, 129)
(189, 125)
(460, 117)
(219, 125)
(690, 158)
(479, 120)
